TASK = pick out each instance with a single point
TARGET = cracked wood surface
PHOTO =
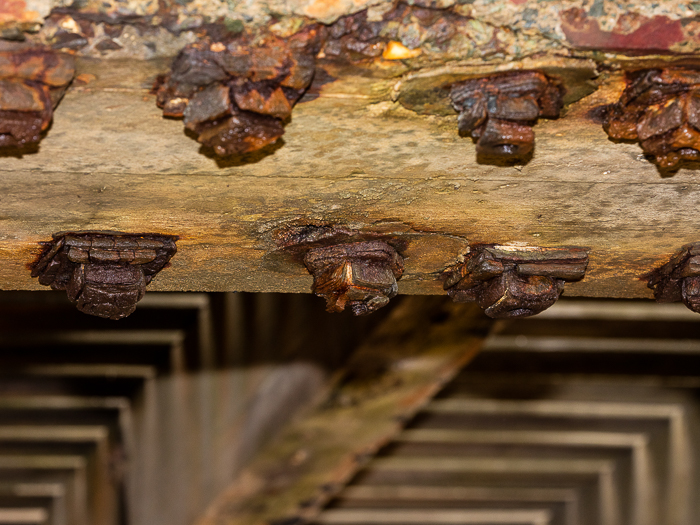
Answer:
(349, 156)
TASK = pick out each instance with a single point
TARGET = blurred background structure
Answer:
(244, 408)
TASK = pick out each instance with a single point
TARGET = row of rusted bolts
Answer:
(236, 99)
(106, 273)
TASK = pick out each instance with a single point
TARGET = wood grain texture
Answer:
(350, 156)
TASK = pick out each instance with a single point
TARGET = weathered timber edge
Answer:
(350, 156)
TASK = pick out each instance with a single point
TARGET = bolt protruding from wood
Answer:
(236, 92)
(511, 281)
(358, 275)
(32, 81)
(103, 273)
(678, 279)
(660, 108)
(499, 111)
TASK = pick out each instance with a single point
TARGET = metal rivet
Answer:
(678, 279)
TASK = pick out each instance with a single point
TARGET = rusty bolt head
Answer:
(498, 111)
(690, 292)
(359, 275)
(32, 81)
(514, 281)
(512, 295)
(103, 273)
(110, 291)
(678, 279)
(237, 94)
(660, 108)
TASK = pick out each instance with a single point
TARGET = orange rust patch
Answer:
(85, 78)
(397, 51)
(276, 104)
(32, 82)
(648, 34)
(15, 12)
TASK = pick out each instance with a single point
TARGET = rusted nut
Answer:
(359, 275)
(32, 81)
(678, 279)
(660, 108)
(509, 281)
(236, 94)
(104, 273)
(499, 111)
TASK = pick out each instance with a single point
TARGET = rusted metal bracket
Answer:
(678, 279)
(499, 111)
(514, 281)
(660, 108)
(32, 82)
(104, 273)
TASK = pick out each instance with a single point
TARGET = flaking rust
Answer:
(236, 94)
(104, 273)
(498, 111)
(660, 108)
(32, 82)
(359, 275)
(679, 279)
(352, 269)
(508, 281)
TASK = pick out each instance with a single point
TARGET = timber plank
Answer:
(350, 156)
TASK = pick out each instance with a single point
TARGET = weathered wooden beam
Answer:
(350, 156)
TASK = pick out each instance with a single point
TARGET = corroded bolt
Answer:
(511, 281)
(678, 279)
(359, 275)
(103, 273)
(32, 81)
(237, 93)
(499, 111)
(660, 108)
